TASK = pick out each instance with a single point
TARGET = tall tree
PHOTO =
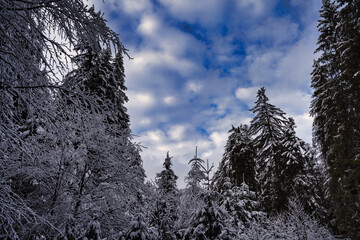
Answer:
(267, 127)
(335, 107)
(106, 166)
(296, 168)
(31, 65)
(238, 161)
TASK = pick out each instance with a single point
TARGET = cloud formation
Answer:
(197, 66)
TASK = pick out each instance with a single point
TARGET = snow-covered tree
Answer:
(166, 179)
(66, 147)
(242, 205)
(238, 161)
(208, 222)
(167, 202)
(335, 107)
(196, 175)
(107, 177)
(33, 137)
(190, 199)
(138, 230)
(267, 127)
(291, 168)
(294, 223)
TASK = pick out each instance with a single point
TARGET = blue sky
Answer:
(197, 65)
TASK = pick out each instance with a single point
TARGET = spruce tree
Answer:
(335, 107)
(296, 165)
(238, 161)
(267, 127)
(196, 175)
(103, 167)
(166, 205)
(242, 205)
(208, 222)
(138, 230)
(190, 196)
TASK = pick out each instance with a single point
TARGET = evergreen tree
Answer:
(165, 213)
(335, 107)
(267, 127)
(242, 205)
(208, 222)
(102, 167)
(166, 180)
(196, 175)
(138, 230)
(291, 166)
(238, 161)
(190, 196)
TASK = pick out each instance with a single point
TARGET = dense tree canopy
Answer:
(335, 107)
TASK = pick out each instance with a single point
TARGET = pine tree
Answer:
(166, 205)
(345, 167)
(335, 107)
(166, 180)
(291, 166)
(196, 175)
(268, 127)
(208, 222)
(238, 161)
(190, 196)
(106, 176)
(138, 230)
(324, 79)
(242, 205)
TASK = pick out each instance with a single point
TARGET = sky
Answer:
(197, 65)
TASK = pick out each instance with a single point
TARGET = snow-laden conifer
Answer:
(335, 106)
(208, 222)
(238, 161)
(267, 127)
(165, 211)
(242, 205)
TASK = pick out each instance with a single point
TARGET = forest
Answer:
(71, 169)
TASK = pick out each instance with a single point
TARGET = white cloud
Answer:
(304, 127)
(156, 135)
(145, 121)
(140, 100)
(149, 25)
(292, 101)
(194, 86)
(170, 100)
(219, 138)
(177, 132)
(136, 6)
(247, 95)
